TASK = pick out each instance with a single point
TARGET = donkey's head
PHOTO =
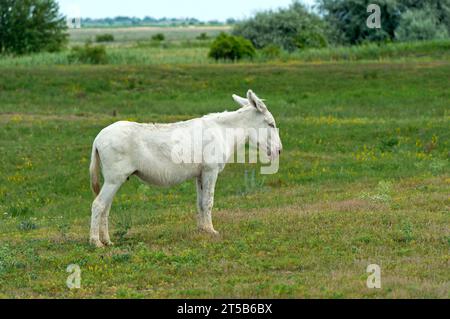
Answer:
(263, 129)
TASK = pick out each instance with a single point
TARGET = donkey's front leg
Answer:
(205, 187)
(199, 199)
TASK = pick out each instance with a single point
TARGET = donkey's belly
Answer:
(171, 177)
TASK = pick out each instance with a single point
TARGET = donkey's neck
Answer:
(234, 126)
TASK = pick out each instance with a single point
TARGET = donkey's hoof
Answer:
(210, 231)
(96, 243)
(107, 243)
(214, 232)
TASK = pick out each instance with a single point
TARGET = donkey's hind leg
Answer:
(104, 227)
(100, 207)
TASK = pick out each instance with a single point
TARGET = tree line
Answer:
(149, 21)
(28, 26)
(344, 22)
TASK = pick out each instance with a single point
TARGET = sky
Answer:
(204, 10)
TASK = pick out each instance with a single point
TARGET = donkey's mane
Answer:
(217, 115)
(223, 114)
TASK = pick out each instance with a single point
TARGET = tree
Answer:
(31, 26)
(400, 20)
(419, 24)
(347, 20)
(291, 28)
(436, 10)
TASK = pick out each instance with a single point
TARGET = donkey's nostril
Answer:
(279, 151)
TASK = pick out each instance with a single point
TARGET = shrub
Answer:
(104, 38)
(203, 36)
(271, 51)
(400, 19)
(347, 21)
(228, 47)
(420, 25)
(158, 37)
(311, 37)
(88, 54)
(289, 29)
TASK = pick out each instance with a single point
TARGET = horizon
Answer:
(178, 9)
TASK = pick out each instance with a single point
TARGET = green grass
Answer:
(185, 50)
(430, 50)
(364, 179)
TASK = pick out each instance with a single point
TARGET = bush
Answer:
(271, 51)
(203, 36)
(104, 38)
(311, 37)
(289, 29)
(347, 21)
(420, 25)
(400, 20)
(88, 54)
(158, 37)
(228, 47)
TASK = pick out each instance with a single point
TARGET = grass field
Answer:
(182, 47)
(364, 179)
(134, 34)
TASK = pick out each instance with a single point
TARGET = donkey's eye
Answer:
(272, 125)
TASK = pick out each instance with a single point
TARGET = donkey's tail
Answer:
(94, 170)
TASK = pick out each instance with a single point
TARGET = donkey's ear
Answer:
(240, 100)
(256, 102)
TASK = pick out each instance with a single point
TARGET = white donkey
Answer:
(146, 150)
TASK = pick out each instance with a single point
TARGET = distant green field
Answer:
(134, 34)
(364, 179)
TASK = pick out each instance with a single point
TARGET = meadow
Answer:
(184, 46)
(131, 35)
(364, 177)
